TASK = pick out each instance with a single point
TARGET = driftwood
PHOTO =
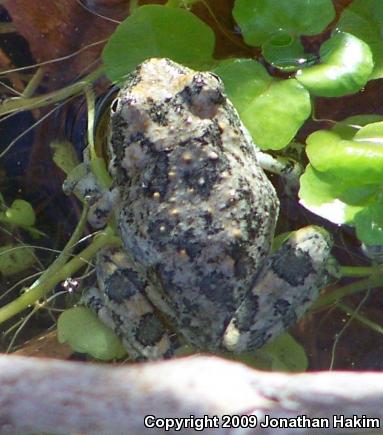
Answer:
(42, 395)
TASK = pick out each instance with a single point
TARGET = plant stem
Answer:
(362, 319)
(355, 287)
(356, 271)
(19, 103)
(56, 274)
(34, 83)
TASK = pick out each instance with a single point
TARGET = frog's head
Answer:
(162, 104)
(160, 81)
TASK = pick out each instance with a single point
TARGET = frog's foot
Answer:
(82, 182)
(120, 303)
(285, 288)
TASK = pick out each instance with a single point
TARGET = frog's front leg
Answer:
(83, 183)
(283, 290)
(120, 303)
(289, 169)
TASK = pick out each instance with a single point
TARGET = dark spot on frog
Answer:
(118, 129)
(296, 269)
(247, 312)
(184, 96)
(243, 263)
(189, 307)
(101, 214)
(217, 288)
(200, 86)
(139, 138)
(118, 323)
(123, 284)
(155, 178)
(212, 136)
(166, 278)
(208, 218)
(186, 240)
(94, 302)
(202, 178)
(175, 66)
(174, 344)
(132, 79)
(161, 232)
(158, 113)
(284, 309)
(201, 100)
(150, 330)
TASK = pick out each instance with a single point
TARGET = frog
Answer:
(196, 214)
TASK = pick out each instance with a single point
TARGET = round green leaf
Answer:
(272, 110)
(347, 128)
(369, 224)
(15, 259)
(329, 198)
(364, 19)
(259, 19)
(274, 117)
(284, 52)
(284, 354)
(21, 213)
(158, 31)
(358, 161)
(85, 333)
(346, 65)
(371, 134)
(244, 80)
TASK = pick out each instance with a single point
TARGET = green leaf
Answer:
(371, 134)
(284, 354)
(346, 65)
(329, 198)
(357, 162)
(260, 19)
(364, 19)
(15, 259)
(369, 224)
(272, 110)
(158, 31)
(347, 128)
(244, 80)
(20, 213)
(64, 155)
(85, 333)
(274, 117)
(284, 52)
(348, 173)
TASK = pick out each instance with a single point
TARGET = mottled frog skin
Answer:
(196, 215)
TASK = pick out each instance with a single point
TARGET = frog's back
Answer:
(197, 211)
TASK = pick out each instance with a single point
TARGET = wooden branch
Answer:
(41, 395)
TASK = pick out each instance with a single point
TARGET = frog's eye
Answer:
(114, 105)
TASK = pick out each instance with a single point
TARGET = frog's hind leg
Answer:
(285, 288)
(120, 303)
